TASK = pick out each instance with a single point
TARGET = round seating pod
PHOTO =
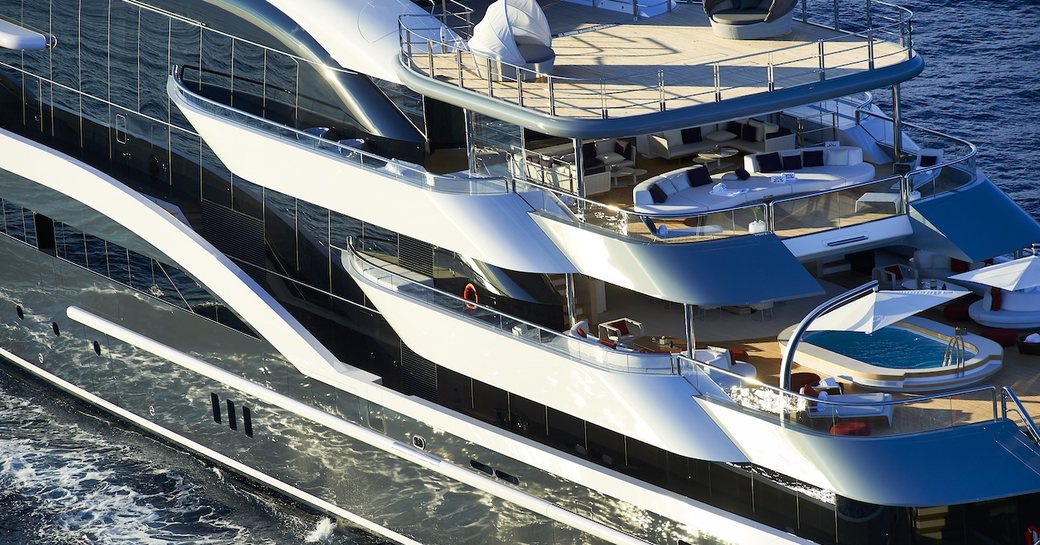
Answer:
(750, 19)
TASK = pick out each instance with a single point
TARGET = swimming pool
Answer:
(891, 347)
(904, 357)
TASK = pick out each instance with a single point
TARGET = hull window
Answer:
(232, 419)
(97, 348)
(57, 331)
(18, 310)
(247, 421)
(215, 402)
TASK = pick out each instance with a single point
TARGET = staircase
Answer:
(559, 284)
(833, 266)
(931, 521)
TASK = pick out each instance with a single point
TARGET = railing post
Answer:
(770, 74)
(660, 91)
(870, 48)
(718, 82)
(603, 98)
(429, 56)
(823, 65)
(411, 62)
(910, 39)
(552, 96)
(836, 25)
(519, 87)
(805, 13)
(458, 65)
(487, 63)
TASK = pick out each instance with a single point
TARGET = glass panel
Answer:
(566, 432)
(154, 48)
(123, 51)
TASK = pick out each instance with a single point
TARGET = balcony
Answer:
(609, 66)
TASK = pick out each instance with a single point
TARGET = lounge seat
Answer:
(852, 406)
(840, 164)
(750, 19)
(751, 135)
(1013, 309)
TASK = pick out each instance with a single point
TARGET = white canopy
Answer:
(879, 309)
(506, 24)
(1019, 274)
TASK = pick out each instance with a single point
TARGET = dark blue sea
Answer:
(68, 476)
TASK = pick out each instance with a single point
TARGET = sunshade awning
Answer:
(978, 222)
(879, 309)
(1019, 274)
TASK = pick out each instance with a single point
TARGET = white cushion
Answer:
(760, 129)
(770, 127)
(667, 186)
(719, 136)
(674, 138)
(836, 157)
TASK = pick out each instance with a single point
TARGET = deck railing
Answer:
(671, 228)
(955, 170)
(909, 415)
(399, 170)
(586, 352)
(441, 53)
(838, 208)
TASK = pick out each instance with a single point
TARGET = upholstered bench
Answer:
(831, 166)
(1001, 336)
(850, 427)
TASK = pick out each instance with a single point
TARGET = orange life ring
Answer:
(1032, 534)
(466, 293)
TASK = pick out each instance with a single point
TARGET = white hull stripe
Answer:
(211, 454)
(349, 429)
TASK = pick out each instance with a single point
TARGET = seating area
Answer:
(750, 19)
(1019, 309)
(516, 34)
(693, 190)
(752, 136)
(554, 165)
(935, 265)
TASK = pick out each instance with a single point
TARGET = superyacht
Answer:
(597, 271)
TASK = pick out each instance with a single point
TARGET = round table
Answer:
(717, 155)
(622, 172)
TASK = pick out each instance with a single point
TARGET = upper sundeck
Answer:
(617, 75)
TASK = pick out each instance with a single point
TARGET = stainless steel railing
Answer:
(427, 51)
(1030, 426)
(909, 415)
(585, 352)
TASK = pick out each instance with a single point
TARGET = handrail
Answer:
(418, 177)
(1031, 430)
(972, 149)
(421, 43)
(592, 354)
(834, 190)
(587, 208)
(785, 403)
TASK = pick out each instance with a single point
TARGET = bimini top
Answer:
(510, 26)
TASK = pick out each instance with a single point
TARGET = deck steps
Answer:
(559, 284)
(832, 266)
(931, 521)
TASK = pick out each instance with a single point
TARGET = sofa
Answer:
(1018, 309)
(751, 136)
(930, 264)
(690, 191)
(840, 165)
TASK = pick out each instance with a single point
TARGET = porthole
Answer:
(418, 442)
(507, 477)
(54, 326)
(21, 313)
(97, 348)
(483, 468)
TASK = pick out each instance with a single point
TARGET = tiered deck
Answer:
(608, 65)
(751, 333)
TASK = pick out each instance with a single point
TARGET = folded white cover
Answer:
(1033, 338)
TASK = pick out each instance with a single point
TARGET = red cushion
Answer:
(808, 391)
(997, 296)
(958, 266)
(801, 379)
(608, 343)
(850, 427)
(581, 332)
(1001, 336)
(988, 261)
(896, 271)
(957, 311)
(737, 354)
(622, 327)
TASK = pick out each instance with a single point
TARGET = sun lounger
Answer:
(852, 406)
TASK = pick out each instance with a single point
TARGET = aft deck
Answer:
(609, 65)
(756, 334)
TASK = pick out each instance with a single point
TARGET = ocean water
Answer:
(68, 476)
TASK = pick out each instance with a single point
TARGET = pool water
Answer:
(890, 347)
